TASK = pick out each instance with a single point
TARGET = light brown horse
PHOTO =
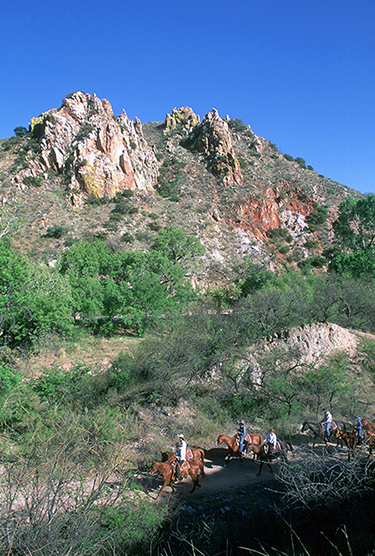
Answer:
(191, 453)
(267, 457)
(197, 457)
(253, 438)
(233, 447)
(166, 470)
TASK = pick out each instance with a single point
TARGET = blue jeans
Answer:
(242, 440)
(327, 429)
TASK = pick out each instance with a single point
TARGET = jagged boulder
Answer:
(98, 153)
(212, 138)
(181, 117)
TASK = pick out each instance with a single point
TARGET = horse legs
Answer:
(260, 469)
(167, 482)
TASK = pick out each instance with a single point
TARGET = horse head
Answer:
(219, 439)
(154, 468)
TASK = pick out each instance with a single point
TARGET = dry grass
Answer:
(95, 352)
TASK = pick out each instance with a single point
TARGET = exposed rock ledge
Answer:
(311, 344)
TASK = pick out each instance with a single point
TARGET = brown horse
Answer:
(267, 457)
(167, 470)
(191, 453)
(253, 438)
(370, 441)
(368, 427)
(194, 469)
(197, 457)
(351, 440)
(233, 447)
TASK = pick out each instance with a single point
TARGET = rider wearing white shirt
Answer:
(327, 422)
(181, 453)
(271, 440)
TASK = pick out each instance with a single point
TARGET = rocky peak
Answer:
(212, 138)
(181, 117)
(98, 153)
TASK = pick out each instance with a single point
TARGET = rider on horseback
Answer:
(327, 423)
(241, 434)
(180, 454)
(358, 429)
(270, 441)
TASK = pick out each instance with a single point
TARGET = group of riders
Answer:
(271, 443)
(329, 426)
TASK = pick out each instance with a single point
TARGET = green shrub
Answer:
(120, 374)
(237, 125)
(288, 157)
(33, 181)
(127, 238)
(61, 387)
(127, 194)
(301, 162)
(56, 231)
(20, 131)
(97, 201)
(16, 400)
(154, 226)
(317, 217)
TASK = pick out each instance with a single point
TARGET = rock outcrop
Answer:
(311, 344)
(212, 138)
(183, 118)
(98, 153)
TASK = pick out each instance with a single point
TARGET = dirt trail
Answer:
(219, 478)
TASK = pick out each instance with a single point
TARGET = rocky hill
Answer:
(214, 178)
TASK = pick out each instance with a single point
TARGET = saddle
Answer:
(184, 469)
(276, 448)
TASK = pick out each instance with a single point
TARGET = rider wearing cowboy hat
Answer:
(180, 453)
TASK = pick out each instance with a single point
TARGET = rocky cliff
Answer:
(98, 154)
(213, 139)
(214, 178)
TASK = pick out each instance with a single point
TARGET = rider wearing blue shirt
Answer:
(359, 429)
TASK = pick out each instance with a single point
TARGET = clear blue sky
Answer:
(300, 72)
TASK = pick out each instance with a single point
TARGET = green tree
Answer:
(175, 244)
(20, 131)
(355, 225)
(33, 300)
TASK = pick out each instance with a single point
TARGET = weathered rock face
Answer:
(181, 117)
(99, 154)
(311, 344)
(260, 214)
(212, 138)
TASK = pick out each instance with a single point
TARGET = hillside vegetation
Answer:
(169, 277)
